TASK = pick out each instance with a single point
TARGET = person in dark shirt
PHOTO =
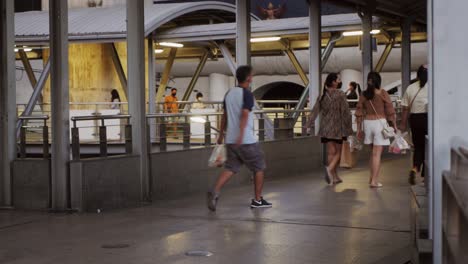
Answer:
(353, 93)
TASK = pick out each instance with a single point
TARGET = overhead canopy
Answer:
(105, 24)
(278, 27)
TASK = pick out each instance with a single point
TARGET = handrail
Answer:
(273, 111)
(74, 119)
(34, 117)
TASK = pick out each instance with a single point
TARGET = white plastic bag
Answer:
(218, 156)
(399, 144)
(354, 144)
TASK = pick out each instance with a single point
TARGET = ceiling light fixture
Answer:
(265, 39)
(359, 33)
(171, 44)
(158, 51)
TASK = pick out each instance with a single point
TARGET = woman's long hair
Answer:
(374, 81)
(331, 77)
(422, 76)
(356, 87)
(115, 95)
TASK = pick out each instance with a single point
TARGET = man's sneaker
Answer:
(260, 204)
(412, 177)
(211, 201)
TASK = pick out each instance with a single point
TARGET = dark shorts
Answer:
(250, 155)
(337, 141)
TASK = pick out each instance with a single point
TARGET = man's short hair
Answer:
(243, 73)
(173, 89)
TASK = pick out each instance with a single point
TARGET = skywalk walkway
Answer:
(309, 223)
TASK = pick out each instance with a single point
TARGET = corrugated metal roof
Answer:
(287, 26)
(98, 24)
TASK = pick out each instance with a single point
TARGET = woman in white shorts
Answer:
(373, 111)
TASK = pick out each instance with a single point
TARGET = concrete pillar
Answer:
(136, 87)
(405, 54)
(243, 32)
(315, 50)
(7, 100)
(60, 111)
(219, 85)
(366, 45)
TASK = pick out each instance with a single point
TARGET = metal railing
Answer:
(102, 134)
(23, 131)
(201, 129)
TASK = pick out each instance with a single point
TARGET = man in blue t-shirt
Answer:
(241, 143)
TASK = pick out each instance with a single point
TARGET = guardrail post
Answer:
(261, 128)
(23, 142)
(103, 140)
(128, 139)
(75, 143)
(304, 124)
(186, 135)
(45, 143)
(162, 137)
(207, 132)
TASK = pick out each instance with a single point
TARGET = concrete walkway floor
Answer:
(309, 223)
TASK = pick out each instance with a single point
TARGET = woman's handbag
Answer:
(388, 131)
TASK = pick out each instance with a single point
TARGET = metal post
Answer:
(45, 140)
(118, 68)
(23, 142)
(128, 139)
(103, 140)
(228, 58)
(136, 93)
(186, 135)
(59, 91)
(162, 137)
(29, 71)
(329, 49)
(385, 54)
(405, 53)
(315, 48)
(261, 128)
(207, 133)
(36, 95)
(75, 143)
(366, 46)
(7, 100)
(166, 75)
(243, 32)
(151, 88)
(195, 77)
(304, 124)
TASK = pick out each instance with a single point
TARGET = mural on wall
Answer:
(270, 12)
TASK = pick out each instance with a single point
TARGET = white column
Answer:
(7, 100)
(243, 32)
(136, 87)
(366, 45)
(219, 85)
(405, 54)
(315, 50)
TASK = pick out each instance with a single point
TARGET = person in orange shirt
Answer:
(171, 106)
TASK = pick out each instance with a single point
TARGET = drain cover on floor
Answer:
(110, 246)
(199, 253)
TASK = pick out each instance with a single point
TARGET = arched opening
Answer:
(279, 91)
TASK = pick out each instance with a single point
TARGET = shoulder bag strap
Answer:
(385, 123)
(414, 98)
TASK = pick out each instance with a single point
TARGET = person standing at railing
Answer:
(374, 110)
(199, 102)
(414, 104)
(171, 106)
(241, 143)
(115, 99)
(335, 123)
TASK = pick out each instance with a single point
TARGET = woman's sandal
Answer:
(379, 185)
(338, 182)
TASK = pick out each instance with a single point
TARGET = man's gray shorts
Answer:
(250, 155)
